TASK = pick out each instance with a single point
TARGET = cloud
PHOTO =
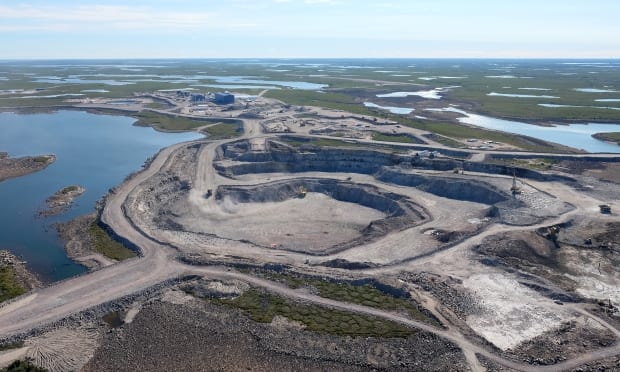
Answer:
(116, 16)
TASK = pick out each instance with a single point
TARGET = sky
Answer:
(65, 29)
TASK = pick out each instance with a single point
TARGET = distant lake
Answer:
(428, 94)
(578, 136)
(392, 109)
(494, 94)
(95, 151)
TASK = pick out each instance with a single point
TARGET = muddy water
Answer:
(94, 151)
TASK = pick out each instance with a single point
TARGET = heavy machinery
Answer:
(515, 189)
(302, 192)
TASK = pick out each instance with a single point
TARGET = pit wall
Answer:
(291, 160)
(447, 187)
(388, 203)
(401, 212)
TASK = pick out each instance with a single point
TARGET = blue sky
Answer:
(310, 28)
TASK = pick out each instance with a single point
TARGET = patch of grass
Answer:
(401, 138)
(157, 105)
(108, 247)
(9, 287)
(535, 164)
(22, 366)
(336, 101)
(41, 159)
(610, 137)
(445, 141)
(168, 122)
(223, 131)
(366, 295)
(68, 189)
(263, 307)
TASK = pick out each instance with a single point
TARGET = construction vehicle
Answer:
(552, 234)
(515, 189)
(302, 192)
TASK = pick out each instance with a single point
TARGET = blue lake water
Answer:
(578, 136)
(95, 151)
(392, 109)
(494, 94)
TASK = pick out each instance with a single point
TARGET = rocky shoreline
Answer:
(17, 167)
(79, 243)
(26, 279)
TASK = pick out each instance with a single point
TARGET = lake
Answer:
(574, 135)
(95, 151)
(392, 109)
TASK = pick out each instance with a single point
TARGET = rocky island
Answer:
(62, 200)
(17, 167)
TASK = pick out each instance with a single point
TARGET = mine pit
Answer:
(313, 216)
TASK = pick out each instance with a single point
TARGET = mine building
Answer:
(224, 98)
(197, 98)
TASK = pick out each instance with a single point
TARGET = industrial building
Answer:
(224, 98)
(196, 98)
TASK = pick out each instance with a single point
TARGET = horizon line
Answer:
(302, 58)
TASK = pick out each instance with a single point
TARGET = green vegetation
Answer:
(336, 101)
(401, 138)
(223, 131)
(12, 345)
(167, 122)
(69, 189)
(610, 137)
(263, 307)
(108, 247)
(446, 141)
(22, 366)
(9, 287)
(41, 159)
(157, 105)
(535, 164)
(529, 108)
(366, 295)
